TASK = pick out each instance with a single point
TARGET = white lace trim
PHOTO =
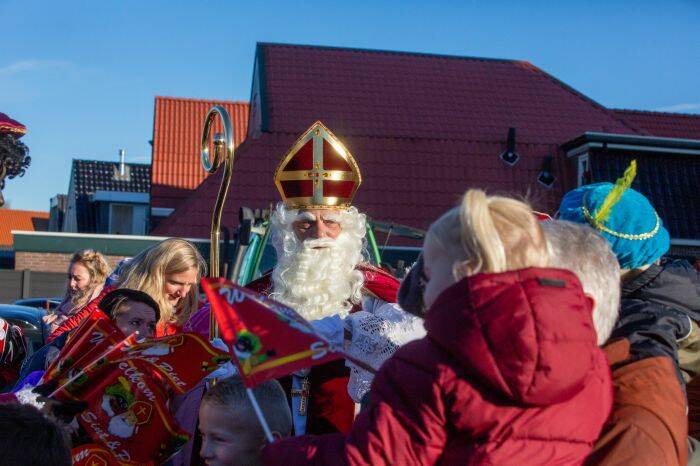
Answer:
(377, 332)
(27, 397)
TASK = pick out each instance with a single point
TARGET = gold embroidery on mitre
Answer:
(317, 175)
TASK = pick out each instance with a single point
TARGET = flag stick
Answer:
(89, 366)
(259, 413)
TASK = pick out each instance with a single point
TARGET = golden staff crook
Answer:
(211, 166)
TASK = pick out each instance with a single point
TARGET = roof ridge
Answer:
(194, 99)
(656, 112)
(23, 211)
(575, 92)
(500, 140)
(390, 52)
(110, 161)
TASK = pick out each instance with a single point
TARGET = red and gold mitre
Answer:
(13, 127)
(318, 172)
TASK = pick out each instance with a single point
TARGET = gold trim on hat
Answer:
(318, 132)
(633, 237)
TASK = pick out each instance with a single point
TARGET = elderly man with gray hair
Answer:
(648, 423)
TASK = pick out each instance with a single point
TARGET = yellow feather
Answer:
(615, 194)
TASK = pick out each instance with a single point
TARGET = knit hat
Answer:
(623, 216)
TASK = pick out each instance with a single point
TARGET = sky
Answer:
(83, 75)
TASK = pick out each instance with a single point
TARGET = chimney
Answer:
(122, 163)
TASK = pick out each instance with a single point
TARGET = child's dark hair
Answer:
(27, 438)
(116, 298)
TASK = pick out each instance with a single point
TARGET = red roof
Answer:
(177, 129)
(423, 128)
(24, 220)
(409, 95)
(662, 124)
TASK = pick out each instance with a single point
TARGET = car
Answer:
(48, 304)
(30, 320)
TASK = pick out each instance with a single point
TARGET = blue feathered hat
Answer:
(623, 216)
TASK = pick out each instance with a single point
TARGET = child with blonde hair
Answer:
(509, 372)
(231, 433)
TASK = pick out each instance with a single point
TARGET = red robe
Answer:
(330, 407)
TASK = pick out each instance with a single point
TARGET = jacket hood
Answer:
(527, 334)
(674, 283)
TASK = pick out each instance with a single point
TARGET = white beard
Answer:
(317, 278)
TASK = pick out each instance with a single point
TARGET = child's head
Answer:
(131, 311)
(485, 234)
(28, 437)
(231, 433)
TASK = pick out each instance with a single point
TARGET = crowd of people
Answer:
(513, 339)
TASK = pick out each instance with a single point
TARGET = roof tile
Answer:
(423, 179)
(423, 128)
(98, 175)
(24, 220)
(377, 93)
(663, 124)
(177, 129)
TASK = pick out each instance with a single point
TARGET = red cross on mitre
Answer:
(318, 172)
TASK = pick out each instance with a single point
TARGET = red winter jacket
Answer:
(509, 373)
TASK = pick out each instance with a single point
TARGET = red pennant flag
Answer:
(270, 340)
(127, 405)
(92, 454)
(127, 412)
(95, 335)
(181, 360)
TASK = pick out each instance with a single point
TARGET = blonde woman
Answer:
(169, 272)
(87, 272)
(509, 372)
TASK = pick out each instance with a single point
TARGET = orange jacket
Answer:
(648, 424)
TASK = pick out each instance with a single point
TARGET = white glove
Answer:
(331, 328)
(226, 369)
(220, 344)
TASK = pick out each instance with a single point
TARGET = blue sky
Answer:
(82, 75)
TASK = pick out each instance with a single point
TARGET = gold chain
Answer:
(604, 229)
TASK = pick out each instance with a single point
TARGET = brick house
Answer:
(423, 128)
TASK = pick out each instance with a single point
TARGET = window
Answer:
(584, 170)
(121, 219)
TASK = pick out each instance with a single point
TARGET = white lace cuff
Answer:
(377, 333)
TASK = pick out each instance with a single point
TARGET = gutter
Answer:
(631, 142)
